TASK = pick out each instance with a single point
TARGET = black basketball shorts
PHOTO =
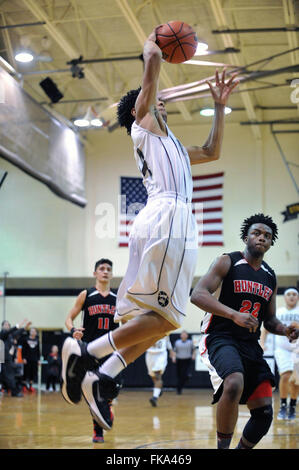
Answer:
(225, 355)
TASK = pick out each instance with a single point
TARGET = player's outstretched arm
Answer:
(202, 295)
(211, 150)
(145, 106)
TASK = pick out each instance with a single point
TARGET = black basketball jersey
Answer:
(98, 314)
(246, 290)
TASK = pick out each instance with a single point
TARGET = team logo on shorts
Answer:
(163, 299)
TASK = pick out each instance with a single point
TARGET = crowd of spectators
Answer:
(20, 357)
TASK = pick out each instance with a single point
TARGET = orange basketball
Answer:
(177, 41)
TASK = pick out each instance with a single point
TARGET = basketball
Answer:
(177, 41)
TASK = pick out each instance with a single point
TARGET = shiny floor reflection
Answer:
(187, 421)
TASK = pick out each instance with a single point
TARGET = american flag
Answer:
(207, 201)
(133, 199)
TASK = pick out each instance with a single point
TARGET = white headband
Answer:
(291, 289)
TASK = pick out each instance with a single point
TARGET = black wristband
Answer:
(73, 330)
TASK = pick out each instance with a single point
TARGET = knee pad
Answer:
(259, 423)
(263, 413)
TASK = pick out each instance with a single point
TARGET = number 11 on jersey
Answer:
(103, 324)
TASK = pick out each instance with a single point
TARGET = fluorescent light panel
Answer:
(81, 122)
(210, 111)
(202, 48)
(24, 57)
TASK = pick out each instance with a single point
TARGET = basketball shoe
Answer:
(292, 413)
(282, 414)
(99, 390)
(97, 433)
(153, 401)
(75, 362)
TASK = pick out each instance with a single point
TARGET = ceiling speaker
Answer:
(51, 90)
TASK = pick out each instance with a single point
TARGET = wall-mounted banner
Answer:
(291, 212)
(39, 144)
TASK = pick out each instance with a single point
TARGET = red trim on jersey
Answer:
(104, 296)
(205, 347)
(206, 330)
(256, 269)
(263, 390)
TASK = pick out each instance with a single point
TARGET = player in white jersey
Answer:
(295, 374)
(285, 356)
(163, 240)
(162, 244)
(156, 358)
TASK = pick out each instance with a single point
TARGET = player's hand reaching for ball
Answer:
(152, 36)
(222, 89)
(150, 46)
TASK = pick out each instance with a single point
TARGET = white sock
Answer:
(114, 365)
(102, 346)
(156, 392)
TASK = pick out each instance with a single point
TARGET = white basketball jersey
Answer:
(160, 346)
(163, 162)
(287, 317)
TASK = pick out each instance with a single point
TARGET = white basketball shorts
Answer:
(163, 251)
(156, 362)
(284, 360)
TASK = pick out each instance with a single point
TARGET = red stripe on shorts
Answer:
(263, 390)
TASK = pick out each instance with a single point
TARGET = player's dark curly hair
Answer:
(259, 219)
(124, 108)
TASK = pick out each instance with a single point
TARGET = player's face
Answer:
(259, 239)
(160, 106)
(291, 299)
(103, 273)
(162, 110)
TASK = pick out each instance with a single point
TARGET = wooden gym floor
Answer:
(45, 421)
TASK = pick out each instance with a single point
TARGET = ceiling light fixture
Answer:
(206, 63)
(96, 122)
(24, 56)
(202, 48)
(81, 122)
(210, 111)
(90, 119)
